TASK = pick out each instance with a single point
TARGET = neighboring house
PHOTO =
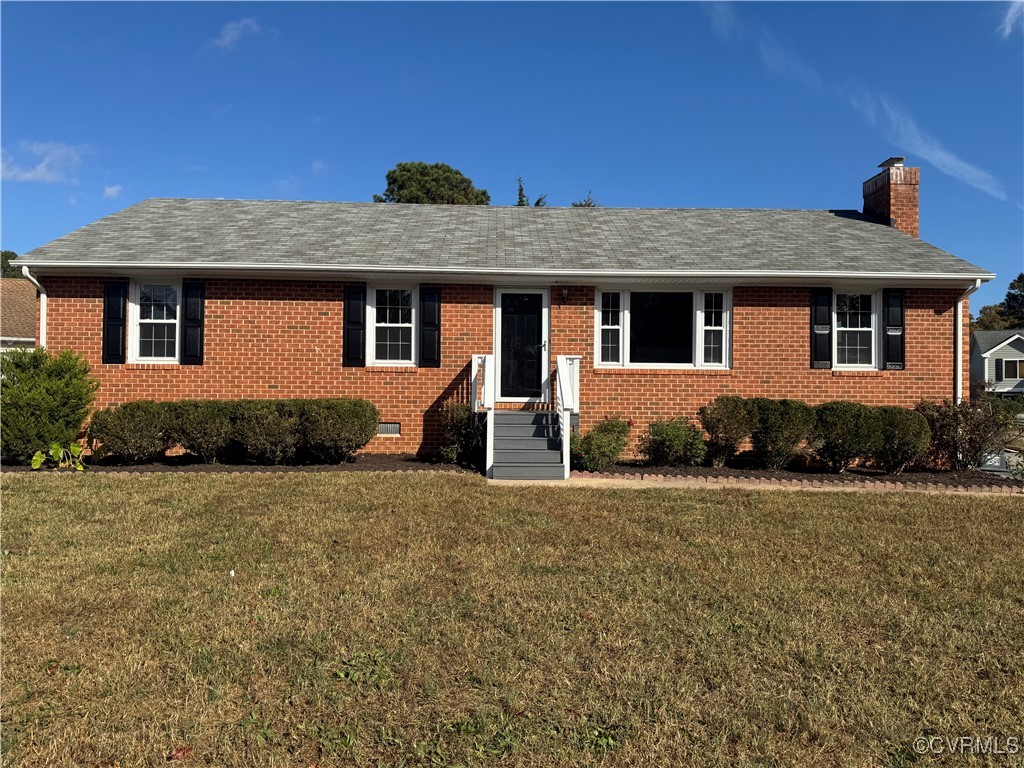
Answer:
(535, 315)
(19, 307)
(997, 361)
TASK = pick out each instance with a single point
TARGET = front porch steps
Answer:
(527, 446)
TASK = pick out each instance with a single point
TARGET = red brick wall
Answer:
(283, 339)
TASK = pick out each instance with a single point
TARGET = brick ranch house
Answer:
(540, 317)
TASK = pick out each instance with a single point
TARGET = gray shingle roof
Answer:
(237, 232)
(986, 340)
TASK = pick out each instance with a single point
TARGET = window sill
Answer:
(663, 371)
(151, 366)
(862, 372)
(391, 368)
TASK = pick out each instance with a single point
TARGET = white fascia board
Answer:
(70, 267)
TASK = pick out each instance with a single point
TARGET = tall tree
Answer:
(522, 200)
(437, 183)
(9, 270)
(1009, 313)
(586, 202)
(1013, 304)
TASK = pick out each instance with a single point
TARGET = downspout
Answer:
(42, 304)
(958, 345)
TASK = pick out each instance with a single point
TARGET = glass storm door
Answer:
(523, 347)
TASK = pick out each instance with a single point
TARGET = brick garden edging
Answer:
(808, 484)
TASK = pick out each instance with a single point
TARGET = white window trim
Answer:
(371, 322)
(876, 337)
(698, 329)
(1020, 367)
(134, 320)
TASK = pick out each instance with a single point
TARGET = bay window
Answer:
(662, 329)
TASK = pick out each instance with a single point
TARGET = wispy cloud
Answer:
(1012, 18)
(232, 32)
(287, 187)
(51, 162)
(877, 109)
(318, 166)
(723, 20)
(783, 61)
(112, 192)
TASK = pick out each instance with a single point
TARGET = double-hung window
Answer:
(1012, 369)
(393, 313)
(662, 329)
(155, 310)
(855, 330)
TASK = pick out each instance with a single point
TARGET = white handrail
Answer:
(483, 394)
(566, 396)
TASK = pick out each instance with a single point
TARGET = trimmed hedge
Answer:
(601, 447)
(44, 400)
(905, 437)
(132, 433)
(780, 427)
(846, 432)
(675, 443)
(728, 420)
(253, 431)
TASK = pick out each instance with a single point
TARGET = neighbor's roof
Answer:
(18, 307)
(986, 340)
(490, 239)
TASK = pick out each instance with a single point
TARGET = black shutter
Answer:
(999, 369)
(821, 328)
(430, 327)
(115, 320)
(353, 343)
(193, 299)
(893, 326)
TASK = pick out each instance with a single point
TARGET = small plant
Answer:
(781, 426)
(675, 443)
(63, 458)
(728, 420)
(601, 447)
(846, 432)
(905, 436)
(462, 434)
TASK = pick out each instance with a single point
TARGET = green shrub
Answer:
(728, 420)
(131, 433)
(601, 447)
(44, 400)
(963, 435)
(675, 443)
(780, 428)
(845, 432)
(905, 437)
(331, 430)
(201, 427)
(264, 431)
(462, 434)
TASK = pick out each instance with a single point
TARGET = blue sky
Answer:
(769, 105)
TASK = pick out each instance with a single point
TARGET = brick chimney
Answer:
(891, 195)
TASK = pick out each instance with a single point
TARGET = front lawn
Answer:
(430, 619)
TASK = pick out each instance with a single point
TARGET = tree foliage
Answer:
(522, 200)
(436, 183)
(1007, 314)
(9, 270)
(586, 202)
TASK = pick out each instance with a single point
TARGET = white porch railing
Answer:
(483, 387)
(567, 400)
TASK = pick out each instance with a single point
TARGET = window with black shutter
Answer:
(821, 328)
(115, 321)
(193, 299)
(353, 353)
(430, 327)
(893, 328)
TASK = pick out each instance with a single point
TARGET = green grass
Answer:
(438, 620)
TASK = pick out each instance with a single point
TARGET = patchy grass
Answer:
(437, 620)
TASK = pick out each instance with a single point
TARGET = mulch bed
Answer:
(371, 462)
(816, 478)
